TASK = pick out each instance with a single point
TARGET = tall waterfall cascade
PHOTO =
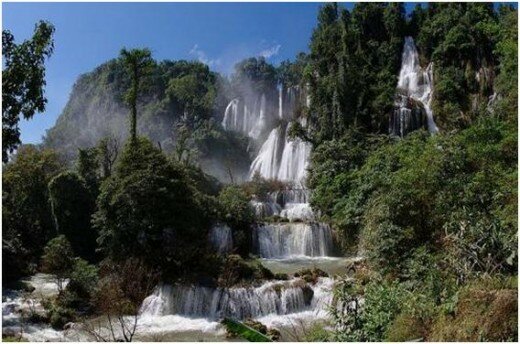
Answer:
(286, 159)
(414, 94)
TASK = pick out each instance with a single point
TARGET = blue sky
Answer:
(219, 34)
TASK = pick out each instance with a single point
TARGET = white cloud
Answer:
(270, 52)
(203, 57)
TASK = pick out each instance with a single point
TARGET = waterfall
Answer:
(265, 209)
(251, 121)
(279, 157)
(298, 212)
(260, 123)
(267, 161)
(295, 159)
(275, 297)
(286, 240)
(291, 204)
(282, 158)
(415, 88)
(230, 121)
(221, 238)
(293, 195)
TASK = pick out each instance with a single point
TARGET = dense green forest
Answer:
(434, 215)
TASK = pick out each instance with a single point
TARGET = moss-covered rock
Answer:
(237, 270)
(308, 294)
(311, 275)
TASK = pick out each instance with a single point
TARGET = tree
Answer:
(236, 211)
(88, 169)
(506, 83)
(27, 220)
(185, 148)
(82, 286)
(108, 150)
(460, 39)
(72, 207)
(195, 93)
(354, 61)
(138, 63)
(255, 75)
(58, 259)
(23, 81)
(148, 210)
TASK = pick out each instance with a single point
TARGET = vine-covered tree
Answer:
(72, 207)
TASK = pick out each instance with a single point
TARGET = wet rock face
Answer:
(311, 275)
(408, 115)
(308, 294)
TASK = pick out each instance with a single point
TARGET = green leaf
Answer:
(243, 331)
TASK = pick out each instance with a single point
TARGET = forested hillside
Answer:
(434, 214)
(177, 95)
(384, 159)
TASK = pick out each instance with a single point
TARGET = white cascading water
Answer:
(265, 209)
(271, 298)
(280, 156)
(247, 117)
(267, 161)
(295, 159)
(291, 204)
(291, 240)
(298, 212)
(221, 238)
(415, 85)
(15, 303)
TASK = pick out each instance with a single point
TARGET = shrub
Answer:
(81, 287)
(58, 259)
(59, 316)
(236, 211)
(481, 314)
